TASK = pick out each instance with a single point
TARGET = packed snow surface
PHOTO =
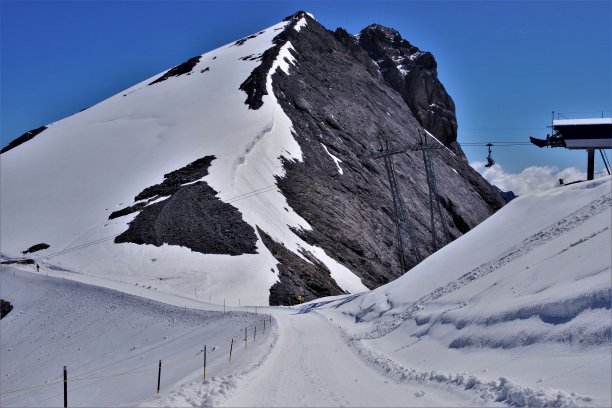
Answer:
(60, 187)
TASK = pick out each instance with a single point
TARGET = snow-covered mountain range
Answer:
(245, 174)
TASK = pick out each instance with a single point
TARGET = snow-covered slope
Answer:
(60, 187)
(518, 309)
(111, 343)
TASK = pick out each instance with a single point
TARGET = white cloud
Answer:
(530, 180)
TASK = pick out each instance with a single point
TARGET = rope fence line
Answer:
(31, 388)
(260, 319)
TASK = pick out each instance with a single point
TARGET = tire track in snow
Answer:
(311, 365)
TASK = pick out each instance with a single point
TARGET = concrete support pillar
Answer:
(590, 163)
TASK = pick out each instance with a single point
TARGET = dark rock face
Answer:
(184, 68)
(298, 277)
(245, 39)
(23, 138)
(173, 180)
(413, 74)
(5, 308)
(128, 210)
(191, 216)
(506, 195)
(336, 97)
(35, 248)
(255, 85)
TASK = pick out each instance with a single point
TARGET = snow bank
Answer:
(518, 308)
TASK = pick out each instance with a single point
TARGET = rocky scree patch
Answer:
(5, 308)
(188, 214)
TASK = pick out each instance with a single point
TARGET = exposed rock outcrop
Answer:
(29, 135)
(5, 308)
(36, 248)
(341, 107)
(413, 74)
(308, 278)
(181, 69)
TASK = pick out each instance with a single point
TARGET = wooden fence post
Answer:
(159, 377)
(231, 347)
(204, 362)
(65, 387)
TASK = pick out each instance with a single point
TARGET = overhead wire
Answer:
(501, 129)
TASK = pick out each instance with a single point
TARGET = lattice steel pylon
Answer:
(402, 221)
(438, 226)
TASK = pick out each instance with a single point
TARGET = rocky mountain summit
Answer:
(250, 172)
(342, 103)
(413, 74)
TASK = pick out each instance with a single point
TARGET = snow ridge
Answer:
(491, 392)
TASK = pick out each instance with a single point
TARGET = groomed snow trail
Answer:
(311, 365)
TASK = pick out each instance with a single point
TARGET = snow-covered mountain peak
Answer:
(238, 173)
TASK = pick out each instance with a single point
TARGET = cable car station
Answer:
(581, 134)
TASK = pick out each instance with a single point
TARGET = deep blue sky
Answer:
(507, 65)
